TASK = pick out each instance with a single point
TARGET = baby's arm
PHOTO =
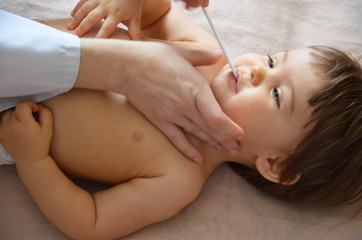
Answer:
(27, 139)
(108, 214)
(135, 14)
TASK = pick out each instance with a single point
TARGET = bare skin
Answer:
(135, 149)
(100, 136)
(183, 98)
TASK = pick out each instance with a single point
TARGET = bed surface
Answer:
(228, 207)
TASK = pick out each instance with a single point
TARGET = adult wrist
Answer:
(102, 64)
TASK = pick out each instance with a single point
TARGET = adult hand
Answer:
(176, 97)
(196, 3)
(161, 82)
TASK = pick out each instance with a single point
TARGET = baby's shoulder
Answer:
(185, 179)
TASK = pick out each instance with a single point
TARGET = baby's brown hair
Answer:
(329, 158)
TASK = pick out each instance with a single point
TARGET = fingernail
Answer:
(233, 152)
(71, 25)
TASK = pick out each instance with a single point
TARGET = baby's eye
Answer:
(276, 96)
(271, 62)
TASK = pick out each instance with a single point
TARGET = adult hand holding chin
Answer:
(161, 81)
(176, 98)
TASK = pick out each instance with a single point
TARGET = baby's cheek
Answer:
(249, 113)
(239, 113)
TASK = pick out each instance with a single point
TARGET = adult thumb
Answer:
(201, 57)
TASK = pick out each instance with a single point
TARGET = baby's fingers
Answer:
(75, 9)
(45, 118)
(24, 110)
(6, 116)
(88, 22)
(89, 10)
(108, 27)
(134, 29)
(83, 10)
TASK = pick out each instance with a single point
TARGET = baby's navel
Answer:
(137, 136)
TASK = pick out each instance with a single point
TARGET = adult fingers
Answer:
(194, 128)
(200, 57)
(107, 28)
(222, 128)
(194, 123)
(178, 138)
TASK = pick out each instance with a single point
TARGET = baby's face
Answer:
(269, 98)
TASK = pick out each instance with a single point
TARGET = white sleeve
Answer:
(36, 61)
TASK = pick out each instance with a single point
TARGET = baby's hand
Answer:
(25, 138)
(87, 13)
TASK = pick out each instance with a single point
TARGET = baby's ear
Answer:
(270, 168)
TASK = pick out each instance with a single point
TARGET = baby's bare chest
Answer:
(101, 137)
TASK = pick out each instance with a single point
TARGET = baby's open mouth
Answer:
(233, 81)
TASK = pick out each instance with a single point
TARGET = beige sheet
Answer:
(228, 207)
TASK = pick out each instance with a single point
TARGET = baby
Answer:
(300, 110)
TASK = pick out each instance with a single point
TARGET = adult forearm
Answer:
(121, 65)
(103, 64)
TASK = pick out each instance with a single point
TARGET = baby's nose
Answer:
(257, 75)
